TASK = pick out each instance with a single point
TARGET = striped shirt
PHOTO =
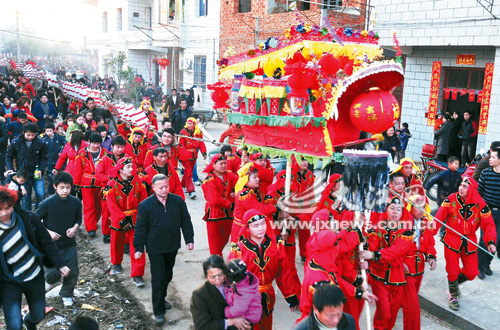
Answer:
(489, 187)
(21, 262)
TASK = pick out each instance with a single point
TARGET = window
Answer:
(332, 4)
(245, 6)
(119, 19)
(203, 10)
(466, 79)
(104, 22)
(149, 16)
(200, 71)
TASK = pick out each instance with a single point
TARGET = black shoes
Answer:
(481, 275)
(159, 319)
(168, 305)
(92, 234)
(106, 239)
(488, 271)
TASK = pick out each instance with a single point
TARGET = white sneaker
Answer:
(197, 183)
(67, 301)
(185, 190)
(192, 195)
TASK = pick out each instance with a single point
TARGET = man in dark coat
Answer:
(44, 112)
(179, 116)
(455, 142)
(443, 137)
(469, 138)
(160, 219)
(328, 310)
(172, 103)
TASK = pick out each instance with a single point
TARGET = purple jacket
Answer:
(246, 302)
(106, 144)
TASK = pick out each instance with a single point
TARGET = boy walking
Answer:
(62, 215)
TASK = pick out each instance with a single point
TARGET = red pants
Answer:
(266, 323)
(411, 305)
(105, 221)
(354, 307)
(118, 239)
(187, 178)
(218, 234)
(389, 301)
(91, 207)
(469, 262)
(304, 234)
(291, 251)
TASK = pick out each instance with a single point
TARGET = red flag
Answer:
(480, 96)
(454, 95)
(472, 95)
(446, 93)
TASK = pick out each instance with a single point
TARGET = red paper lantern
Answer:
(374, 111)
(329, 65)
(219, 95)
(163, 62)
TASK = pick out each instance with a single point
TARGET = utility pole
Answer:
(18, 37)
(256, 41)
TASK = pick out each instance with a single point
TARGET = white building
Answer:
(186, 32)
(444, 31)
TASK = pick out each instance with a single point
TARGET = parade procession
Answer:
(249, 165)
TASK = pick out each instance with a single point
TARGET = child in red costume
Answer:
(269, 264)
(465, 212)
(102, 177)
(149, 112)
(249, 196)
(388, 243)
(266, 172)
(323, 247)
(125, 192)
(162, 166)
(84, 177)
(191, 130)
(422, 250)
(174, 151)
(137, 147)
(218, 189)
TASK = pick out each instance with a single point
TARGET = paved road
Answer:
(188, 271)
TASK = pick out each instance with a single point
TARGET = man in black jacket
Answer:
(328, 310)
(4, 139)
(25, 241)
(179, 116)
(29, 152)
(160, 219)
(469, 138)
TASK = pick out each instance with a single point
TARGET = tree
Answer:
(114, 66)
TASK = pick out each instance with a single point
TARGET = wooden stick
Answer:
(358, 219)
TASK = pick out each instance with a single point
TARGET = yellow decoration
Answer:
(272, 64)
(352, 51)
(328, 141)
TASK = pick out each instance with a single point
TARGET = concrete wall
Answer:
(436, 22)
(417, 89)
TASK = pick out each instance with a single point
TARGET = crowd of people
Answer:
(134, 180)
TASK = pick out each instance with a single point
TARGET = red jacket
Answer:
(233, 164)
(269, 264)
(302, 182)
(85, 169)
(69, 153)
(124, 131)
(234, 132)
(390, 248)
(266, 176)
(421, 250)
(466, 219)
(105, 164)
(174, 184)
(29, 90)
(219, 203)
(153, 120)
(138, 153)
(123, 199)
(175, 153)
(192, 146)
(248, 199)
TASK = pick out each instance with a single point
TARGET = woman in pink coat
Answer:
(69, 152)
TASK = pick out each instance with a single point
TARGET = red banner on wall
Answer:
(434, 95)
(485, 104)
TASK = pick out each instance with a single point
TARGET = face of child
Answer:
(60, 130)
(103, 134)
(80, 120)
(136, 138)
(454, 165)
(21, 180)
(258, 228)
(89, 116)
(22, 121)
(261, 162)
(167, 139)
(63, 189)
(253, 180)
(49, 132)
(118, 149)
(126, 171)
(190, 125)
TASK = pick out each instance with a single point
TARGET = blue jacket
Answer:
(38, 114)
(26, 157)
(15, 129)
(404, 137)
(54, 147)
(159, 227)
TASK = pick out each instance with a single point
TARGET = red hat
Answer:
(322, 248)
(332, 181)
(215, 158)
(114, 172)
(473, 196)
(319, 219)
(252, 216)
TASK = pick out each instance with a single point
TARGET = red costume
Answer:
(219, 196)
(27, 88)
(174, 152)
(304, 181)
(233, 163)
(123, 198)
(84, 176)
(268, 261)
(192, 147)
(266, 174)
(422, 249)
(323, 248)
(124, 130)
(234, 132)
(69, 153)
(102, 178)
(248, 199)
(137, 151)
(466, 217)
(174, 184)
(387, 275)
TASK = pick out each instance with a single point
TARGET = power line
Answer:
(33, 37)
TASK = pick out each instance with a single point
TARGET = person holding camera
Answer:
(124, 192)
